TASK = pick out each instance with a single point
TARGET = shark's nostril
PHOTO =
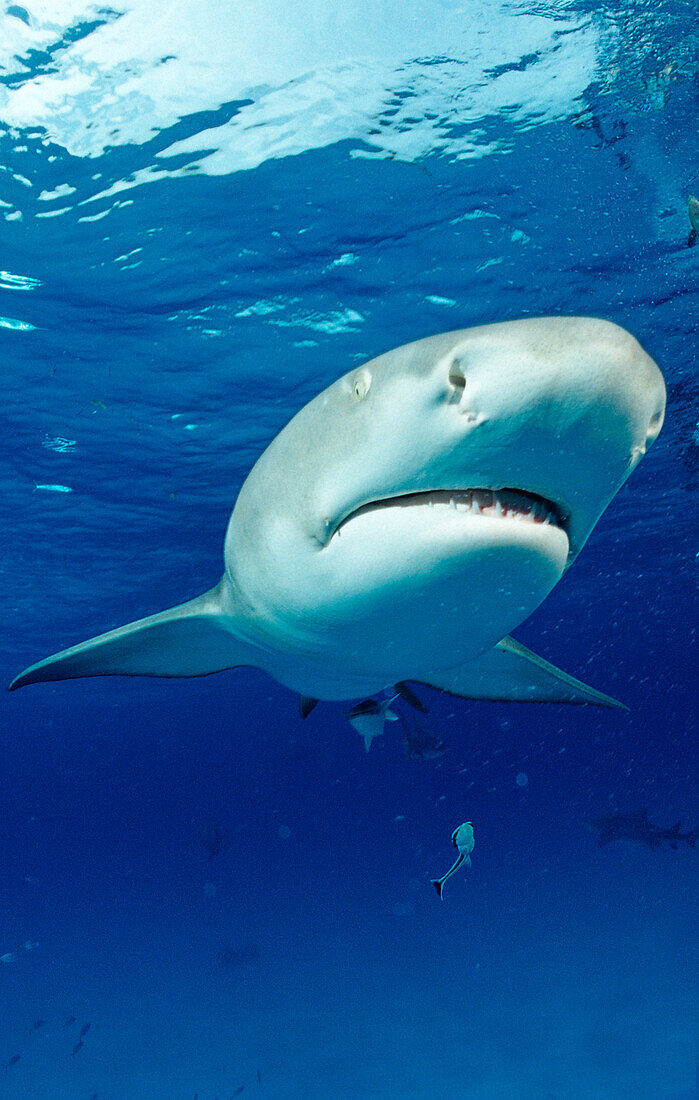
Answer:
(457, 380)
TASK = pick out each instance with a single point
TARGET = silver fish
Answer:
(370, 716)
(463, 841)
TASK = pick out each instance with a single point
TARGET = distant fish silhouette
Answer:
(419, 743)
(69, 1021)
(37, 1024)
(637, 828)
(238, 955)
(78, 1046)
(13, 1061)
(210, 838)
(238, 1091)
(463, 841)
(693, 212)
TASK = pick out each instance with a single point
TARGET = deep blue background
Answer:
(324, 959)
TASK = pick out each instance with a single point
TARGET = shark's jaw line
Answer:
(518, 505)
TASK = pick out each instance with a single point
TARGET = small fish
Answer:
(462, 839)
(37, 1024)
(238, 1091)
(78, 1046)
(13, 1061)
(369, 718)
(84, 1030)
(8, 957)
(69, 1021)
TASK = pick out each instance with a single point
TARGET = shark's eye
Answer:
(361, 385)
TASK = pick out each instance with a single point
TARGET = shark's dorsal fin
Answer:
(188, 640)
(512, 672)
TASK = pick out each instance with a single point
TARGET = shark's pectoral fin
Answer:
(510, 671)
(406, 693)
(306, 705)
(191, 639)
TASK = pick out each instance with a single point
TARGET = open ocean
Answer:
(208, 212)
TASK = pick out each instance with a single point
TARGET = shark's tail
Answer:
(438, 884)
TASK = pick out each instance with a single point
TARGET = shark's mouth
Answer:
(511, 504)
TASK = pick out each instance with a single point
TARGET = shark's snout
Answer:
(564, 415)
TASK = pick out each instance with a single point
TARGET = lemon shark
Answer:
(409, 517)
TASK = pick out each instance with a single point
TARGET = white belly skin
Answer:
(464, 583)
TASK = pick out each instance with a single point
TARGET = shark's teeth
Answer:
(510, 504)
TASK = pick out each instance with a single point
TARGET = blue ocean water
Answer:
(209, 213)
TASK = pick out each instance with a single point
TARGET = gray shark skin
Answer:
(637, 828)
(409, 517)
